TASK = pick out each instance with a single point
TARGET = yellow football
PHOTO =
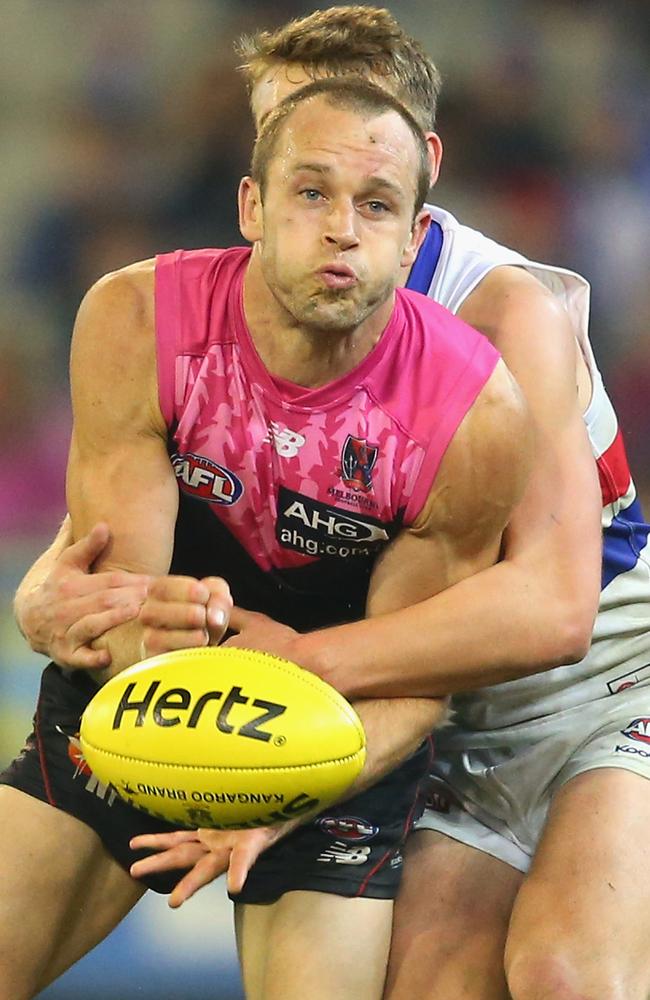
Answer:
(222, 737)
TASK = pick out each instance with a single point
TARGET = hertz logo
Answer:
(174, 707)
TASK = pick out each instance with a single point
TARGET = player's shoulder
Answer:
(116, 320)
(509, 298)
(126, 294)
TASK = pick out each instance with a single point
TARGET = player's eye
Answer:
(311, 194)
(377, 207)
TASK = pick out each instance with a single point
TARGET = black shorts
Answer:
(352, 849)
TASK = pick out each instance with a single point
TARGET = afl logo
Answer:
(206, 480)
(638, 730)
(348, 828)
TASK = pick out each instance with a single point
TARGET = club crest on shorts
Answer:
(350, 828)
(358, 459)
(638, 729)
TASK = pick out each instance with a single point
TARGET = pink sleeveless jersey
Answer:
(290, 493)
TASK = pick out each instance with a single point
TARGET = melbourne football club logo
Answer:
(358, 459)
(639, 730)
(350, 828)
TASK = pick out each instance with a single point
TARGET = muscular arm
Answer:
(118, 470)
(535, 608)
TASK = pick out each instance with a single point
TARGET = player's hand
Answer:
(180, 612)
(207, 853)
(257, 631)
(73, 606)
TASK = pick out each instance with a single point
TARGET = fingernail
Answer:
(217, 617)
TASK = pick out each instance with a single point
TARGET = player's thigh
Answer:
(314, 944)
(61, 893)
(581, 923)
(451, 921)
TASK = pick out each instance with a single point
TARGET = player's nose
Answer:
(341, 226)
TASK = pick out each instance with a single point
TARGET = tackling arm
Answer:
(535, 608)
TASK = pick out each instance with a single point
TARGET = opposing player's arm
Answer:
(119, 471)
(457, 538)
(535, 608)
(61, 606)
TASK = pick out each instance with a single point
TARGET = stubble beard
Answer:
(331, 311)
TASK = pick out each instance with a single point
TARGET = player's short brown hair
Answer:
(353, 40)
(350, 93)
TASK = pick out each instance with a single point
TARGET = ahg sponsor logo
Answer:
(638, 729)
(207, 480)
(315, 528)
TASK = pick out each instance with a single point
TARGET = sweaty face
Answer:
(337, 213)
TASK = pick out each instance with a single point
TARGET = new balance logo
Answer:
(287, 443)
(344, 854)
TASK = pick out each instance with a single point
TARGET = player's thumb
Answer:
(88, 548)
(218, 607)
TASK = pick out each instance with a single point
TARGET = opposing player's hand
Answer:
(73, 606)
(180, 612)
(257, 631)
(207, 853)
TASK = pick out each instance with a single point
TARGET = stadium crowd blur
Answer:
(126, 131)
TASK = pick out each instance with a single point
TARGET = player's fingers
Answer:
(81, 658)
(218, 608)
(92, 626)
(172, 614)
(182, 856)
(162, 841)
(242, 859)
(115, 585)
(204, 871)
(83, 552)
(160, 640)
(185, 589)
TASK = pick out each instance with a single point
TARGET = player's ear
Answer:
(434, 145)
(249, 200)
(419, 230)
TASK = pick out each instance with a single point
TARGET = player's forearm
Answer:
(124, 644)
(394, 729)
(505, 622)
(38, 572)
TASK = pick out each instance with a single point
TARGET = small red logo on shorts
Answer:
(76, 755)
(639, 730)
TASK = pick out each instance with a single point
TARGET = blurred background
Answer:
(124, 133)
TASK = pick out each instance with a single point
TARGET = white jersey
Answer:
(451, 263)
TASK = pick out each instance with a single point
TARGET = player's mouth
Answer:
(338, 276)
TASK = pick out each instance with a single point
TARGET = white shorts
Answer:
(492, 789)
